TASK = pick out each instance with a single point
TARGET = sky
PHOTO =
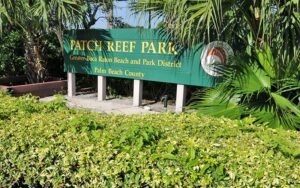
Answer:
(121, 9)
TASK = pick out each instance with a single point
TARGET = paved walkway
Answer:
(112, 106)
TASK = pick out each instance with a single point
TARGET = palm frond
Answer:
(251, 87)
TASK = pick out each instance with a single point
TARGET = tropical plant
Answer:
(266, 83)
(254, 86)
(34, 19)
(11, 53)
(251, 23)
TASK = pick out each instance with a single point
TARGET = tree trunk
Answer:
(110, 17)
(36, 71)
(59, 33)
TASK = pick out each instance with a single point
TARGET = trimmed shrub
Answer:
(48, 145)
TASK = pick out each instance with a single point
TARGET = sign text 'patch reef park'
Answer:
(141, 54)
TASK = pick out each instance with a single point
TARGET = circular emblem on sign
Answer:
(214, 55)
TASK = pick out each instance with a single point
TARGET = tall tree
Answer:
(108, 9)
(91, 15)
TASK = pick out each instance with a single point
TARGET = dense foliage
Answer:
(12, 54)
(34, 19)
(241, 23)
(49, 145)
(263, 79)
(257, 86)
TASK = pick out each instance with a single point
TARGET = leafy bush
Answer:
(261, 86)
(12, 54)
(48, 145)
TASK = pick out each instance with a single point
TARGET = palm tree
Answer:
(34, 18)
(262, 85)
(251, 22)
(254, 87)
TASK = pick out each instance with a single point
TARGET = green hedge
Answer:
(49, 145)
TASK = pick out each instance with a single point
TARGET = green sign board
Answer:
(141, 54)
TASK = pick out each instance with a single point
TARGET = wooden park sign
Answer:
(139, 54)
